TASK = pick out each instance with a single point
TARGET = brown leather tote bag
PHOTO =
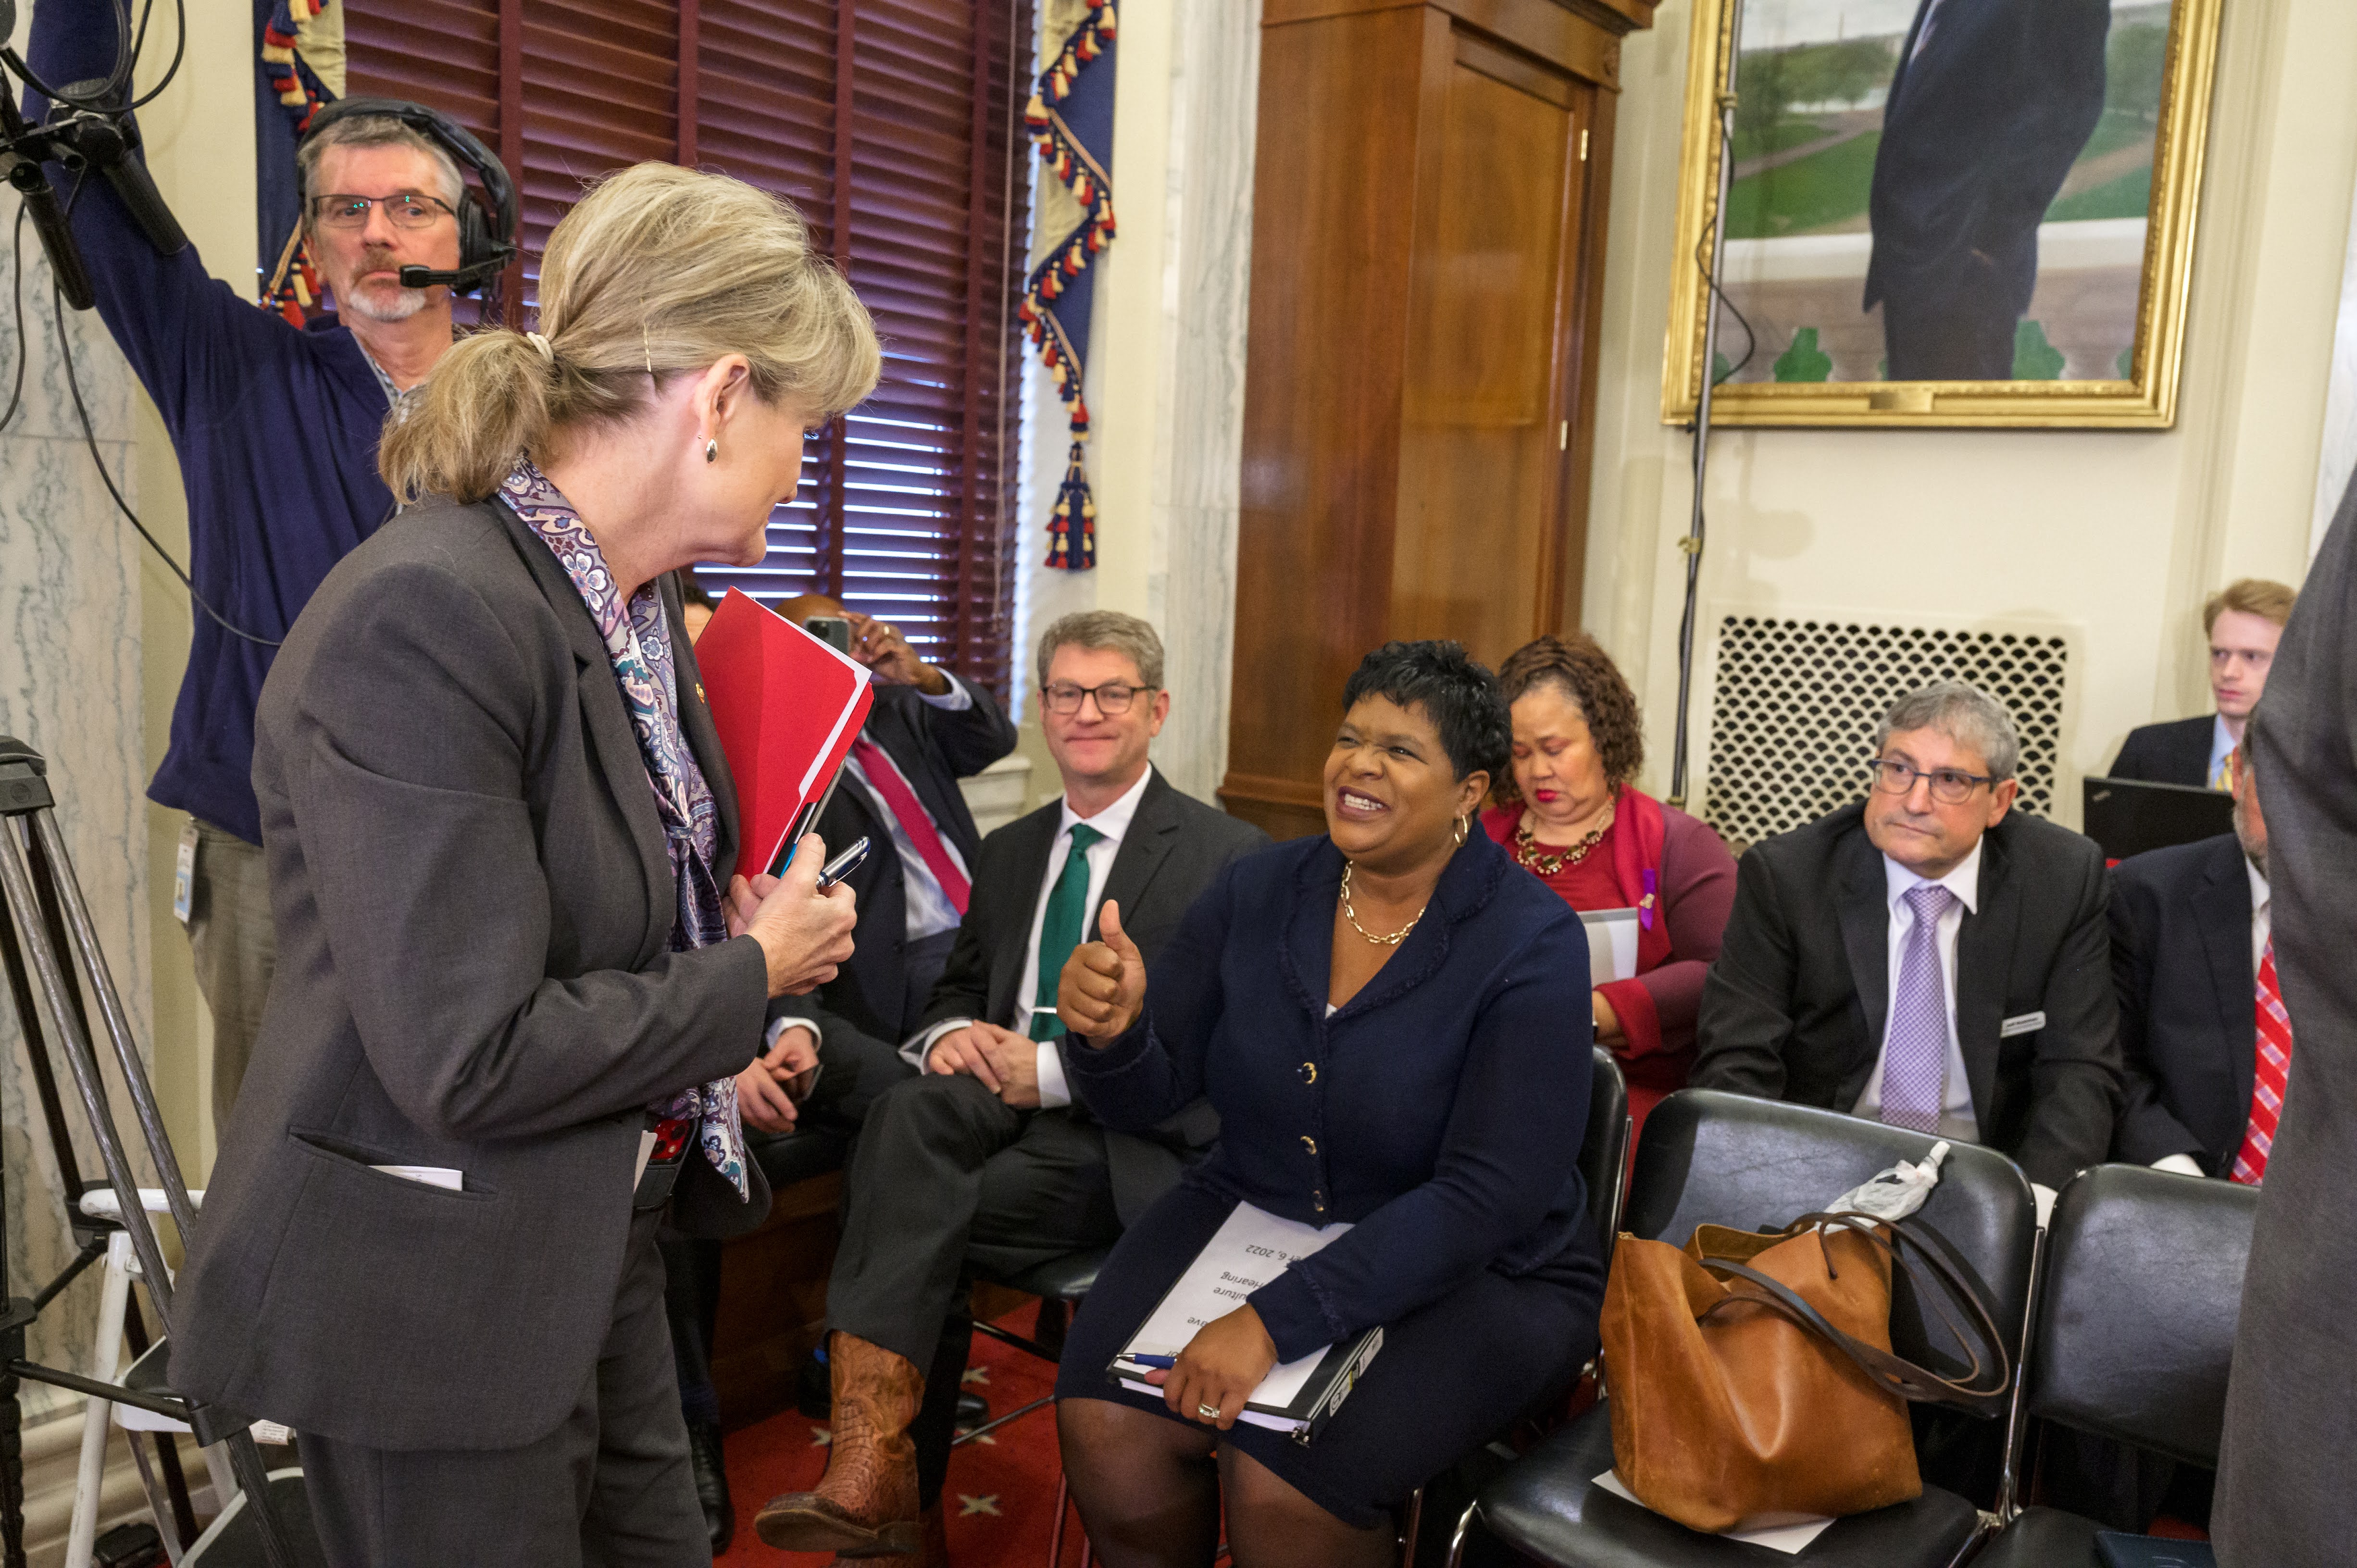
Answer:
(1751, 1375)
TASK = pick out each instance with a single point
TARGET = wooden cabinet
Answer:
(1427, 252)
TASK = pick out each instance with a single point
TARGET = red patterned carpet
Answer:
(1001, 1496)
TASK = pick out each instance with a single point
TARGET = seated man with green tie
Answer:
(984, 1161)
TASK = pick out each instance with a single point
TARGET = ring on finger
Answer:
(1208, 1412)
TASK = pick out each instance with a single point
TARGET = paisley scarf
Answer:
(638, 642)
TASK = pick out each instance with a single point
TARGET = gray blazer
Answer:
(474, 906)
(2284, 1494)
(1175, 846)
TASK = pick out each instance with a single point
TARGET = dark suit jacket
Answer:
(474, 904)
(1977, 133)
(1794, 1007)
(2176, 752)
(2283, 1495)
(2188, 1027)
(934, 748)
(1174, 847)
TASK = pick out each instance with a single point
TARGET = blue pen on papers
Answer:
(1165, 1362)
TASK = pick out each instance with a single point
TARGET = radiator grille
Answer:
(1795, 704)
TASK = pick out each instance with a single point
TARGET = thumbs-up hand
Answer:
(1103, 989)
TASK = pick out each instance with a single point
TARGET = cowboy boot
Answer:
(866, 1504)
(933, 1542)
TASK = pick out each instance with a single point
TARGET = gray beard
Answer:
(406, 303)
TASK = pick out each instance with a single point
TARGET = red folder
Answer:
(788, 707)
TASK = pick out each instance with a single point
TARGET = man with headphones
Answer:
(275, 428)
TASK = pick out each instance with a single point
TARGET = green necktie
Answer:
(1060, 932)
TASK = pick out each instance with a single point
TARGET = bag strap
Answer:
(1892, 1372)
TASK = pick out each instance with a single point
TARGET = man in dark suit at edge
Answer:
(984, 1158)
(1928, 958)
(2243, 622)
(1990, 105)
(2193, 958)
(2284, 1497)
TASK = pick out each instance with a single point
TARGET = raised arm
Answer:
(972, 737)
(405, 772)
(1511, 1145)
(188, 336)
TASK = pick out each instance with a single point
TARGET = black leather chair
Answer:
(1604, 1166)
(2134, 1331)
(1756, 1163)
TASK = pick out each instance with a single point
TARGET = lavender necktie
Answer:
(1915, 1054)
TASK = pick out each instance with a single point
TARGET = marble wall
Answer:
(70, 686)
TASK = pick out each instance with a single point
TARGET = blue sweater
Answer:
(275, 428)
(1441, 1111)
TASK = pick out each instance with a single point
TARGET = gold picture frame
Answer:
(1787, 274)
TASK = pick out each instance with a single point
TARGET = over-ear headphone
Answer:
(487, 230)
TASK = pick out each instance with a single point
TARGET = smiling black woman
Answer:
(1392, 1019)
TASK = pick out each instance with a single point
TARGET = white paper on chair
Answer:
(1789, 1536)
(1611, 944)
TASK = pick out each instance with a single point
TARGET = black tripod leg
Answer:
(167, 1451)
(12, 1454)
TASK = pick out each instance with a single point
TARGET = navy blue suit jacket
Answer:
(1441, 1111)
(2189, 1018)
(934, 748)
(1977, 134)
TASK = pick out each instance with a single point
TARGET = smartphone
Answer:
(841, 865)
(832, 630)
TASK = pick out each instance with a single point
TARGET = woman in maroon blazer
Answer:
(1573, 817)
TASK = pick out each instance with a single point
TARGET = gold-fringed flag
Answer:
(1070, 118)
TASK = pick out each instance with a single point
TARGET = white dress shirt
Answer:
(2262, 920)
(1957, 1118)
(1114, 824)
(927, 908)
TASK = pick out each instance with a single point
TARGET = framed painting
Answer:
(1942, 212)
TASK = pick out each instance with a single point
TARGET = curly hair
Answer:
(1457, 692)
(1586, 673)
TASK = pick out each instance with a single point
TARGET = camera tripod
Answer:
(50, 949)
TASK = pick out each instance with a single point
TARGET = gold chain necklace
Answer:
(1528, 854)
(1353, 914)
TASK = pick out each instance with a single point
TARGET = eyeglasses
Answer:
(1112, 698)
(1949, 786)
(404, 209)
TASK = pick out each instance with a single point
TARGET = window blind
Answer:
(895, 126)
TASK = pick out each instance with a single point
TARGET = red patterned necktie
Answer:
(2268, 1074)
(914, 820)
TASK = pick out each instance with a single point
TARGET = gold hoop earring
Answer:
(1464, 827)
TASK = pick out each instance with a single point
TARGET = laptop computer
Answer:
(2129, 816)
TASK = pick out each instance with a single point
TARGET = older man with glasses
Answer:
(275, 428)
(984, 1162)
(1927, 957)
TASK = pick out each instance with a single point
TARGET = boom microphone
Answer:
(458, 280)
